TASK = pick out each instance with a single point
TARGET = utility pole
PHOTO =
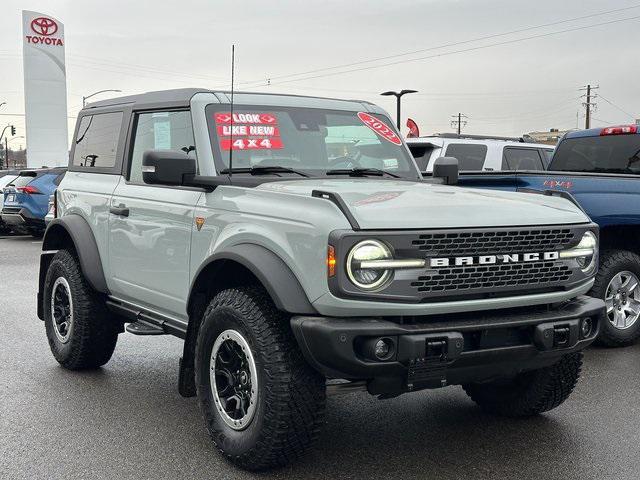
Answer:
(589, 104)
(459, 121)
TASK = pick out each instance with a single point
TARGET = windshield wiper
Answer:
(361, 172)
(264, 170)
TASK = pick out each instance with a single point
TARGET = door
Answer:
(150, 226)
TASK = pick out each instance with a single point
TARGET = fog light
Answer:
(586, 327)
(382, 349)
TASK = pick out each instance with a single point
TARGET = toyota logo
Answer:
(44, 26)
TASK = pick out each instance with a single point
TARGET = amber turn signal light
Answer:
(331, 261)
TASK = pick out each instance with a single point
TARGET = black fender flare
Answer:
(274, 274)
(84, 243)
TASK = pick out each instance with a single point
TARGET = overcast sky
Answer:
(509, 89)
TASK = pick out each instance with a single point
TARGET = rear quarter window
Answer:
(514, 158)
(471, 156)
(96, 142)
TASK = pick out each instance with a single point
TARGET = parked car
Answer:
(480, 153)
(600, 168)
(26, 199)
(6, 177)
(315, 253)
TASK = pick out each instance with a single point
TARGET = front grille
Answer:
(470, 263)
(500, 277)
(493, 242)
(464, 279)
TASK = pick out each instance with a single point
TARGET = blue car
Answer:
(600, 168)
(26, 199)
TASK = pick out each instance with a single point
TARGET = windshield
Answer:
(606, 154)
(311, 141)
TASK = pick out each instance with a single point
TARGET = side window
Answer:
(546, 157)
(521, 159)
(470, 156)
(160, 131)
(96, 142)
(422, 154)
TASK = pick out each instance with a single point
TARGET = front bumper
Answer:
(434, 351)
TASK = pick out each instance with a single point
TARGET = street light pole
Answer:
(398, 96)
(84, 99)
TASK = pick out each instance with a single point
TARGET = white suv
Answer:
(479, 153)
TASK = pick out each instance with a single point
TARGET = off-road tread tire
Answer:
(531, 393)
(93, 335)
(611, 262)
(294, 393)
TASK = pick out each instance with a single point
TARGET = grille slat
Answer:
(490, 242)
(491, 276)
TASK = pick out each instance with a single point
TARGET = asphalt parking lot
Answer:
(128, 421)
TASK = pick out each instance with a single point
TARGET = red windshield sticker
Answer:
(379, 127)
(274, 143)
(248, 130)
(249, 118)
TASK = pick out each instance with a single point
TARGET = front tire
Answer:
(617, 284)
(529, 393)
(263, 404)
(76, 320)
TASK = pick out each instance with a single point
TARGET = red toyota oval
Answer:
(379, 127)
(44, 26)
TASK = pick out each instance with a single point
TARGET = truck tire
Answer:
(265, 404)
(529, 393)
(618, 273)
(75, 317)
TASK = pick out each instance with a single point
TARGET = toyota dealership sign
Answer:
(45, 90)
(43, 30)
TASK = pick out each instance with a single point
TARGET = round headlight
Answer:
(368, 278)
(589, 244)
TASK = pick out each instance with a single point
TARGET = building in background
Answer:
(550, 137)
(45, 90)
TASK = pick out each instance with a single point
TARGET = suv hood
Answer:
(395, 204)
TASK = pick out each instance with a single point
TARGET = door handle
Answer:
(120, 210)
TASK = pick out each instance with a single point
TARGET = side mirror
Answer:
(446, 168)
(166, 167)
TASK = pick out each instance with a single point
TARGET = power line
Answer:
(269, 81)
(616, 106)
(446, 45)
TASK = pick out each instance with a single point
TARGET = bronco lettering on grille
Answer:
(492, 259)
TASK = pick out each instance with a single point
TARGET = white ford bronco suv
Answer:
(294, 246)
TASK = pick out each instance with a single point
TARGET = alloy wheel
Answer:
(622, 300)
(61, 309)
(234, 379)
